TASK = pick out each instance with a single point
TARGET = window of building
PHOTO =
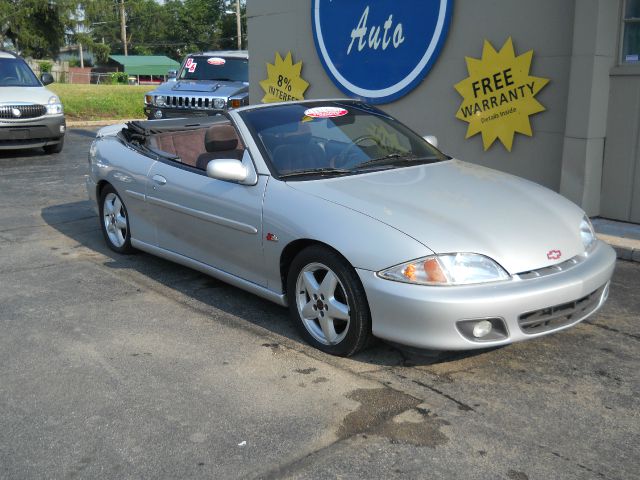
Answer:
(631, 32)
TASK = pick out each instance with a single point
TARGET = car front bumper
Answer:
(157, 113)
(32, 133)
(435, 317)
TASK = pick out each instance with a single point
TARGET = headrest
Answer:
(220, 138)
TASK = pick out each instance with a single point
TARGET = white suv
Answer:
(30, 115)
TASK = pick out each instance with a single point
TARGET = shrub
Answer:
(45, 67)
(119, 78)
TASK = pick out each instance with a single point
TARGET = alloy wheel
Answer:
(322, 304)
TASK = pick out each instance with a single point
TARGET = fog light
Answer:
(158, 114)
(482, 329)
(62, 128)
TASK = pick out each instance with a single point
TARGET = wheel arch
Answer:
(293, 248)
(99, 187)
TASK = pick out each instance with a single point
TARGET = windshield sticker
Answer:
(190, 65)
(216, 61)
(325, 112)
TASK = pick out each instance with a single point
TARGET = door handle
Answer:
(159, 179)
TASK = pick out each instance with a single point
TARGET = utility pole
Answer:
(239, 24)
(123, 27)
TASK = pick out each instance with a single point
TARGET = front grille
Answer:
(26, 111)
(558, 316)
(557, 268)
(197, 103)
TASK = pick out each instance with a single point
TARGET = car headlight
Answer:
(448, 269)
(587, 234)
(54, 106)
(219, 103)
(160, 101)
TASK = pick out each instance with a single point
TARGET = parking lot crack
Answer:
(572, 461)
(611, 329)
(462, 406)
(27, 269)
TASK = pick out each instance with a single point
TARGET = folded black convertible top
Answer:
(139, 130)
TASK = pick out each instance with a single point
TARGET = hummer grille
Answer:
(198, 103)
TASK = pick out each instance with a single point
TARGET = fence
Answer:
(86, 77)
(59, 70)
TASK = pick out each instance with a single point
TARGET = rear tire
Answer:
(114, 221)
(55, 148)
(327, 302)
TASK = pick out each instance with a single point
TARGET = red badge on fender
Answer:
(554, 254)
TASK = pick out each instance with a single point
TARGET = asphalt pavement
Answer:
(133, 367)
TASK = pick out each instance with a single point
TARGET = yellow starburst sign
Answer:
(499, 95)
(283, 81)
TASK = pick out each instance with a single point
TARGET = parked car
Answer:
(30, 115)
(358, 224)
(207, 83)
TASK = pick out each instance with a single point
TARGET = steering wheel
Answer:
(342, 159)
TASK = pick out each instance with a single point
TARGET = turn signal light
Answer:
(410, 272)
(434, 272)
(235, 103)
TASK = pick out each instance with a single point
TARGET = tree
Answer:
(35, 28)
(174, 28)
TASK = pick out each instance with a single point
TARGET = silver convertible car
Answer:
(361, 226)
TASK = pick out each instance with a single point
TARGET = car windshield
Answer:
(334, 138)
(15, 73)
(215, 68)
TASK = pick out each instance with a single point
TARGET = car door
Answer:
(216, 222)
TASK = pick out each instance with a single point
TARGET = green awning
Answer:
(145, 64)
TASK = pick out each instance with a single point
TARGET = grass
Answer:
(98, 102)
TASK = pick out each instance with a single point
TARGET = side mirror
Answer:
(46, 79)
(432, 139)
(172, 74)
(227, 169)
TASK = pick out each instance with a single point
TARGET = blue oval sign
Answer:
(379, 50)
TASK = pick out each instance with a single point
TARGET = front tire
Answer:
(327, 302)
(114, 221)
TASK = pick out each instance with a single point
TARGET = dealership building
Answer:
(547, 90)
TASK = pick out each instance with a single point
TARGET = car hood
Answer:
(454, 206)
(218, 87)
(40, 95)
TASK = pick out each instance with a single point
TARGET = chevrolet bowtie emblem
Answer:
(554, 254)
